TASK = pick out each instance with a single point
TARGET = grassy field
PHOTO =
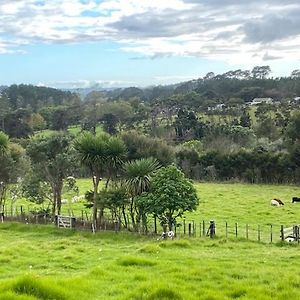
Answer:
(41, 262)
(46, 263)
(227, 202)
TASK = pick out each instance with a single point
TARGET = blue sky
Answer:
(76, 43)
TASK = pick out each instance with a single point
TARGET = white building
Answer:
(257, 101)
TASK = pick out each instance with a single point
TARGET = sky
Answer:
(118, 43)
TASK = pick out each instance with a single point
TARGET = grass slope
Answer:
(45, 263)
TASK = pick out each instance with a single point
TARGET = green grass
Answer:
(226, 202)
(46, 263)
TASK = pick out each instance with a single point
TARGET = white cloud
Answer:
(84, 83)
(232, 30)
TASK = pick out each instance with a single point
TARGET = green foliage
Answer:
(91, 149)
(138, 174)
(3, 143)
(140, 146)
(171, 195)
(293, 128)
(52, 160)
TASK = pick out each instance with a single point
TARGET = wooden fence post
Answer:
(282, 233)
(236, 230)
(247, 231)
(271, 233)
(200, 230)
(155, 225)
(190, 229)
(212, 229)
(194, 228)
(203, 228)
(226, 230)
(258, 233)
(184, 228)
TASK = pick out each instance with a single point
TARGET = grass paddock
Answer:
(41, 262)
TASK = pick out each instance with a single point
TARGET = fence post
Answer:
(226, 230)
(247, 231)
(271, 233)
(258, 233)
(190, 229)
(212, 229)
(203, 228)
(194, 228)
(282, 233)
(200, 230)
(236, 230)
(184, 228)
(155, 225)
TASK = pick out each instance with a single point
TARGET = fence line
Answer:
(269, 233)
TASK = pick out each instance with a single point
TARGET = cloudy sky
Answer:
(141, 42)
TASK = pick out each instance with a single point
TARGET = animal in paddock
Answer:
(276, 202)
(295, 199)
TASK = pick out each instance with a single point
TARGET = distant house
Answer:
(218, 107)
(257, 101)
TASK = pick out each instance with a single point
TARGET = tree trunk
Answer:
(132, 213)
(124, 216)
(96, 180)
(107, 182)
(58, 200)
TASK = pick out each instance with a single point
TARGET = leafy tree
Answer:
(37, 122)
(293, 128)
(110, 122)
(260, 72)
(13, 164)
(116, 199)
(295, 74)
(17, 123)
(267, 128)
(4, 110)
(37, 191)
(171, 195)
(52, 161)
(138, 175)
(141, 146)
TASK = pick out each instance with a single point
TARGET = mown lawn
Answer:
(46, 263)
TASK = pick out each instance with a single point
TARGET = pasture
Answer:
(222, 202)
(41, 262)
(47, 263)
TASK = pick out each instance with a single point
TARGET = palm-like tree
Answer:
(92, 150)
(138, 175)
(103, 155)
(116, 154)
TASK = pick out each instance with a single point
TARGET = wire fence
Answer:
(267, 233)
